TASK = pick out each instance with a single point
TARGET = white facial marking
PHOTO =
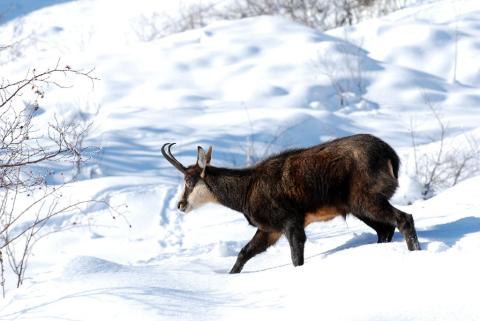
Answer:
(200, 195)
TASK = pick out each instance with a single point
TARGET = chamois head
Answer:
(196, 192)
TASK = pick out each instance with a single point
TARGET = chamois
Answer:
(286, 192)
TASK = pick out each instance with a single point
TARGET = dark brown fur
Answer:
(284, 193)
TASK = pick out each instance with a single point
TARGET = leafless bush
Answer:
(80, 123)
(158, 25)
(148, 28)
(444, 163)
(21, 144)
(27, 203)
(455, 52)
(343, 67)
(24, 216)
(309, 12)
(21, 228)
(255, 150)
(318, 14)
(15, 48)
(193, 16)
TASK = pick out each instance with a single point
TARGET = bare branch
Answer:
(444, 162)
(22, 145)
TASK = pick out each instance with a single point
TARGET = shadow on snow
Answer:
(11, 9)
(449, 233)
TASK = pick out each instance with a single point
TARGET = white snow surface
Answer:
(234, 84)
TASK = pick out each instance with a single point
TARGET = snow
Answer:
(252, 85)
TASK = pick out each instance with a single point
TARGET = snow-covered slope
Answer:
(260, 84)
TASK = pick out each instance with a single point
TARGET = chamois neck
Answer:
(230, 186)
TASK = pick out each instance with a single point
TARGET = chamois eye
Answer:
(189, 182)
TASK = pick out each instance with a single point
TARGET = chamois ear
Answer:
(203, 159)
(209, 155)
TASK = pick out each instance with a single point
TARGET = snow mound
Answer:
(437, 247)
(224, 249)
(83, 265)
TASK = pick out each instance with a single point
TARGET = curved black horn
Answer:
(169, 157)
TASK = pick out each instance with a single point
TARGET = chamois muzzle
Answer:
(182, 206)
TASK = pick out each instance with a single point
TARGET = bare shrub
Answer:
(444, 162)
(80, 123)
(148, 28)
(195, 15)
(318, 14)
(309, 12)
(20, 40)
(21, 224)
(158, 25)
(27, 202)
(256, 150)
(343, 67)
(21, 144)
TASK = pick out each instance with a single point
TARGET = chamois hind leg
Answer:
(381, 210)
(258, 244)
(406, 226)
(384, 231)
(295, 233)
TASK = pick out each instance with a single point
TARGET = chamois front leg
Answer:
(295, 233)
(260, 242)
